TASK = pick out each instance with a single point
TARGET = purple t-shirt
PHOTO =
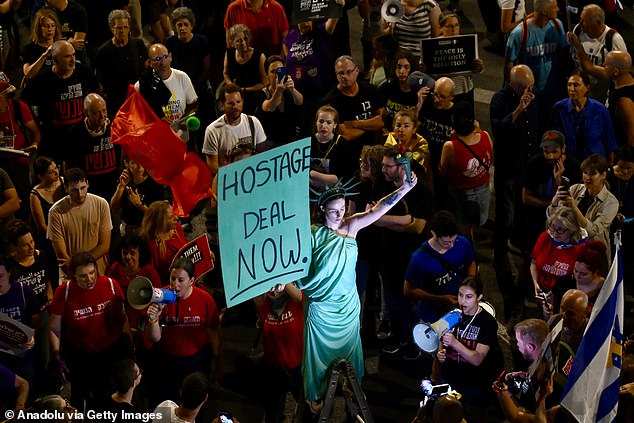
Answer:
(308, 61)
(7, 382)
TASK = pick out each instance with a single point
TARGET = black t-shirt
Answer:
(398, 246)
(97, 156)
(32, 51)
(72, 19)
(362, 106)
(117, 68)
(333, 157)
(279, 127)
(188, 57)
(393, 99)
(435, 127)
(149, 191)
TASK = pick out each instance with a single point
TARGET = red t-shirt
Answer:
(117, 272)
(283, 339)
(10, 127)
(267, 26)
(194, 315)
(465, 171)
(92, 319)
(552, 261)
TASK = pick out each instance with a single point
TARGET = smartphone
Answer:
(439, 390)
(565, 182)
(281, 73)
(225, 416)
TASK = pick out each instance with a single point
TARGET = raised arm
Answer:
(359, 221)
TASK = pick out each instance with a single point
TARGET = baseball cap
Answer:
(5, 86)
(417, 80)
(553, 138)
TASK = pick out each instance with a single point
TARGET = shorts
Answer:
(472, 205)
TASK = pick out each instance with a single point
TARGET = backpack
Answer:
(524, 37)
(606, 47)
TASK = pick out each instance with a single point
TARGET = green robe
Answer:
(332, 310)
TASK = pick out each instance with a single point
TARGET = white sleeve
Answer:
(190, 92)
(618, 43)
(210, 144)
(260, 136)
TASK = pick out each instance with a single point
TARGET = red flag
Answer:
(152, 142)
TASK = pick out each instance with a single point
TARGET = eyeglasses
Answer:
(347, 72)
(558, 231)
(159, 59)
(440, 96)
(388, 166)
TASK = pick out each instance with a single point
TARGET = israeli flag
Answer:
(592, 390)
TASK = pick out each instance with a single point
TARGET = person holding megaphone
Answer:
(187, 333)
(470, 355)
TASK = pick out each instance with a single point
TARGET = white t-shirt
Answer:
(220, 138)
(168, 413)
(595, 47)
(182, 91)
(520, 10)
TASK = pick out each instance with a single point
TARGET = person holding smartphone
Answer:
(279, 104)
(594, 206)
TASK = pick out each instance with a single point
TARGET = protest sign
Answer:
(264, 220)
(13, 335)
(449, 55)
(197, 250)
(311, 10)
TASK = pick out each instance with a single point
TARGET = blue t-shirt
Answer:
(20, 303)
(428, 273)
(541, 54)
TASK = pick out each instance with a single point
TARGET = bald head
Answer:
(521, 77)
(619, 60)
(574, 305)
(95, 111)
(60, 47)
(444, 93)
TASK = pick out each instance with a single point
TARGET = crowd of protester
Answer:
(80, 218)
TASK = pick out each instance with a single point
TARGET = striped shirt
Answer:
(410, 29)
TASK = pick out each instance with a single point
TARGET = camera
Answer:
(517, 383)
(434, 391)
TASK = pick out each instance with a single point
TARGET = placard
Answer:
(13, 334)
(264, 220)
(312, 10)
(198, 251)
(449, 55)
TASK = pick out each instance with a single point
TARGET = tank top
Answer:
(466, 172)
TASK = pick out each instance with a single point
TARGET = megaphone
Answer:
(141, 293)
(427, 335)
(392, 10)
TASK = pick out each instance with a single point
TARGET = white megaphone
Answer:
(392, 10)
(141, 293)
(427, 335)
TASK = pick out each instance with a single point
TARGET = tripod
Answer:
(358, 410)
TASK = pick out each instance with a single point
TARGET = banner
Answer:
(264, 220)
(312, 10)
(449, 55)
(198, 251)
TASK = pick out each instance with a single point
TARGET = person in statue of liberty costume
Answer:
(332, 304)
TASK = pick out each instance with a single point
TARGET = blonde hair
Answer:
(37, 22)
(155, 224)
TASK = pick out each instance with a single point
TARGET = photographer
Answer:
(516, 391)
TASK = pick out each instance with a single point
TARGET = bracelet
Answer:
(152, 321)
